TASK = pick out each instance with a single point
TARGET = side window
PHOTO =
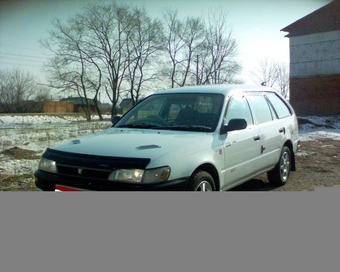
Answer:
(260, 107)
(173, 112)
(147, 109)
(280, 107)
(238, 108)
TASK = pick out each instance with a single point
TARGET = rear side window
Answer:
(260, 107)
(280, 107)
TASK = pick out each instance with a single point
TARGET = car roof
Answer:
(226, 89)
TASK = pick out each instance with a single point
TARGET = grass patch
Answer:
(18, 183)
(18, 153)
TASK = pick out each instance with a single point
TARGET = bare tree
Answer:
(193, 36)
(266, 73)
(217, 58)
(106, 46)
(16, 86)
(182, 39)
(73, 67)
(173, 45)
(122, 49)
(108, 29)
(123, 41)
(42, 93)
(283, 79)
(142, 47)
(200, 50)
(274, 74)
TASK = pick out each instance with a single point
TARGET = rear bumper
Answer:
(48, 181)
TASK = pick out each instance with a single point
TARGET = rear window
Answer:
(280, 107)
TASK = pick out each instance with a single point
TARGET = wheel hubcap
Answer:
(285, 166)
(204, 186)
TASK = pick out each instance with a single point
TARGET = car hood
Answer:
(135, 143)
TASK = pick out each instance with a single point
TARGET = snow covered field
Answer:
(37, 132)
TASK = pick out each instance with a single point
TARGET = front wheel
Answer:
(280, 174)
(201, 181)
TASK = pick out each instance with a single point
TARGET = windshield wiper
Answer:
(189, 128)
(147, 126)
(199, 128)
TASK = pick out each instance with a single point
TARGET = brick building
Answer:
(73, 105)
(315, 62)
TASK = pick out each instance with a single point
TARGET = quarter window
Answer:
(280, 107)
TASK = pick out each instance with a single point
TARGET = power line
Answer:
(20, 64)
(21, 60)
(14, 46)
(15, 60)
(20, 55)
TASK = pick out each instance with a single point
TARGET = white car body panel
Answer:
(183, 151)
(237, 155)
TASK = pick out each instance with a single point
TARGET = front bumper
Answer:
(48, 181)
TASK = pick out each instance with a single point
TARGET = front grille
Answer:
(83, 172)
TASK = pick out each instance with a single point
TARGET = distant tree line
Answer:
(123, 50)
(20, 93)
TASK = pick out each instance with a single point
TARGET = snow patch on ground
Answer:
(37, 133)
(315, 127)
(20, 121)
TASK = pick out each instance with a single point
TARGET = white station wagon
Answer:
(200, 138)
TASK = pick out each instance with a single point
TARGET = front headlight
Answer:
(48, 165)
(127, 175)
(140, 175)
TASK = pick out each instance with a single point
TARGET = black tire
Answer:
(280, 173)
(201, 181)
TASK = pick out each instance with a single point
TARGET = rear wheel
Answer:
(201, 181)
(280, 174)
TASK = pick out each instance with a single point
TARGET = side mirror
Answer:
(115, 118)
(234, 124)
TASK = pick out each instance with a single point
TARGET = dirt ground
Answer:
(318, 165)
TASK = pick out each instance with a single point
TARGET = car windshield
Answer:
(185, 112)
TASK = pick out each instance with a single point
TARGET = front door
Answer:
(241, 148)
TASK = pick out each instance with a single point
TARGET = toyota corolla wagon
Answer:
(199, 138)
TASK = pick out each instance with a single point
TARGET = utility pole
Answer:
(197, 69)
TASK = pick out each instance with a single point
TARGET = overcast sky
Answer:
(256, 26)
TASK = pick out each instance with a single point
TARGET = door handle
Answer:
(262, 149)
(257, 138)
(282, 130)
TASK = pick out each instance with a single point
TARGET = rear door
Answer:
(285, 113)
(270, 127)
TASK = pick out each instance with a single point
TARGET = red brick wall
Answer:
(318, 96)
